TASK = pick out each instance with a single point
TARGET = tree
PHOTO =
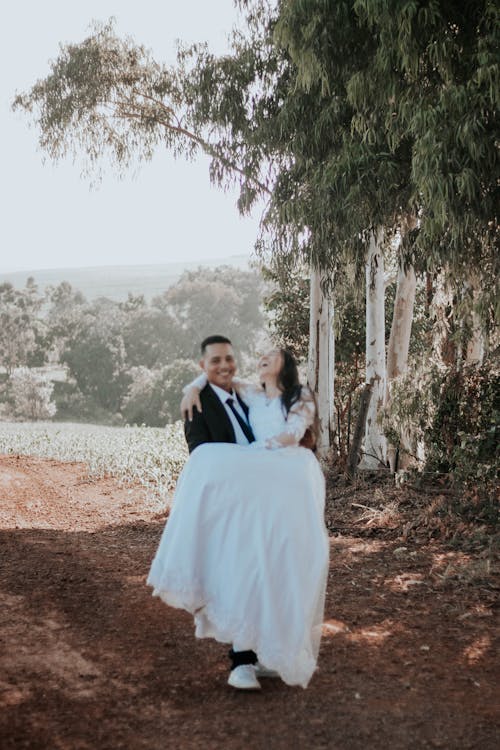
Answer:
(154, 396)
(223, 300)
(321, 357)
(151, 337)
(19, 326)
(286, 303)
(31, 395)
(391, 151)
(96, 356)
(64, 317)
(108, 96)
(375, 444)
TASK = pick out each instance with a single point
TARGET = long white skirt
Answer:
(245, 550)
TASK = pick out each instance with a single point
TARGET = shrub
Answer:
(450, 419)
(31, 393)
(154, 396)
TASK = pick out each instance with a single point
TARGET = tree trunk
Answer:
(354, 450)
(441, 314)
(399, 343)
(476, 344)
(375, 444)
(321, 359)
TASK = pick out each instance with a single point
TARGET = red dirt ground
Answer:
(90, 661)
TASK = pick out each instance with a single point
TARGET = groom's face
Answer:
(219, 365)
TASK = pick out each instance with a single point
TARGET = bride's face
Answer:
(270, 364)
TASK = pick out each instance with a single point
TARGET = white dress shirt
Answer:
(223, 396)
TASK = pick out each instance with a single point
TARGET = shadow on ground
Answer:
(90, 660)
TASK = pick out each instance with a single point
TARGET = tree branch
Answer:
(208, 148)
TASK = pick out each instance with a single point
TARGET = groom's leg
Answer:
(242, 657)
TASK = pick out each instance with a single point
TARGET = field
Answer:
(148, 456)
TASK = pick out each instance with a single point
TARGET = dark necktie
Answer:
(247, 430)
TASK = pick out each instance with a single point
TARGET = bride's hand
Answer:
(190, 399)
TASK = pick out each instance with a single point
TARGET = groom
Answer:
(222, 417)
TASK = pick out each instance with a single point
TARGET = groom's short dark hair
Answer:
(213, 340)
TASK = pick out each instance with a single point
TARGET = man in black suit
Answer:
(218, 421)
(223, 419)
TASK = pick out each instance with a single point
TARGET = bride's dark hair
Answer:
(288, 381)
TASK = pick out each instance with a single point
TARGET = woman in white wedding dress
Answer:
(245, 548)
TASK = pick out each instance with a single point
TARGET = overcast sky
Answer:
(168, 212)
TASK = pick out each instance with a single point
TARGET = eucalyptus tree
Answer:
(419, 86)
(108, 100)
(354, 187)
(408, 92)
(444, 101)
(434, 83)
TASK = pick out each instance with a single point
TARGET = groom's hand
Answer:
(190, 399)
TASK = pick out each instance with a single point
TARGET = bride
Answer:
(245, 548)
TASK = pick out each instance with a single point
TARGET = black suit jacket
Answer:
(213, 424)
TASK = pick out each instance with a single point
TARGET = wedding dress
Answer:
(245, 548)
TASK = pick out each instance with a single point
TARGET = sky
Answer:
(169, 211)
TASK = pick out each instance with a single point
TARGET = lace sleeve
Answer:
(300, 417)
(246, 390)
(199, 383)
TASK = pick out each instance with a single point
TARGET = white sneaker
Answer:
(262, 671)
(243, 678)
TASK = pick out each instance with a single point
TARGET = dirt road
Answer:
(90, 661)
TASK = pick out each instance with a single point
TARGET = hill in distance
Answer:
(115, 282)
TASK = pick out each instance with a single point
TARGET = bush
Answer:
(450, 422)
(30, 393)
(74, 406)
(463, 439)
(154, 396)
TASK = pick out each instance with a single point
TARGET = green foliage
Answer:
(151, 337)
(105, 95)
(450, 419)
(154, 396)
(129, 360)
(96, 356)
(286, 304)
(349, 380)
(464, 434)
(66, 307)
(31, 392)
(223, 300)
(21, 331)
(411, 118)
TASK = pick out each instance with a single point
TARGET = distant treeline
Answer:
(125, 362)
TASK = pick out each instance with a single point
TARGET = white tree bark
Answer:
(441, 310)
(375, 448)
(475, 347)
(321, 362)
(476, 344)
(399, 342)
